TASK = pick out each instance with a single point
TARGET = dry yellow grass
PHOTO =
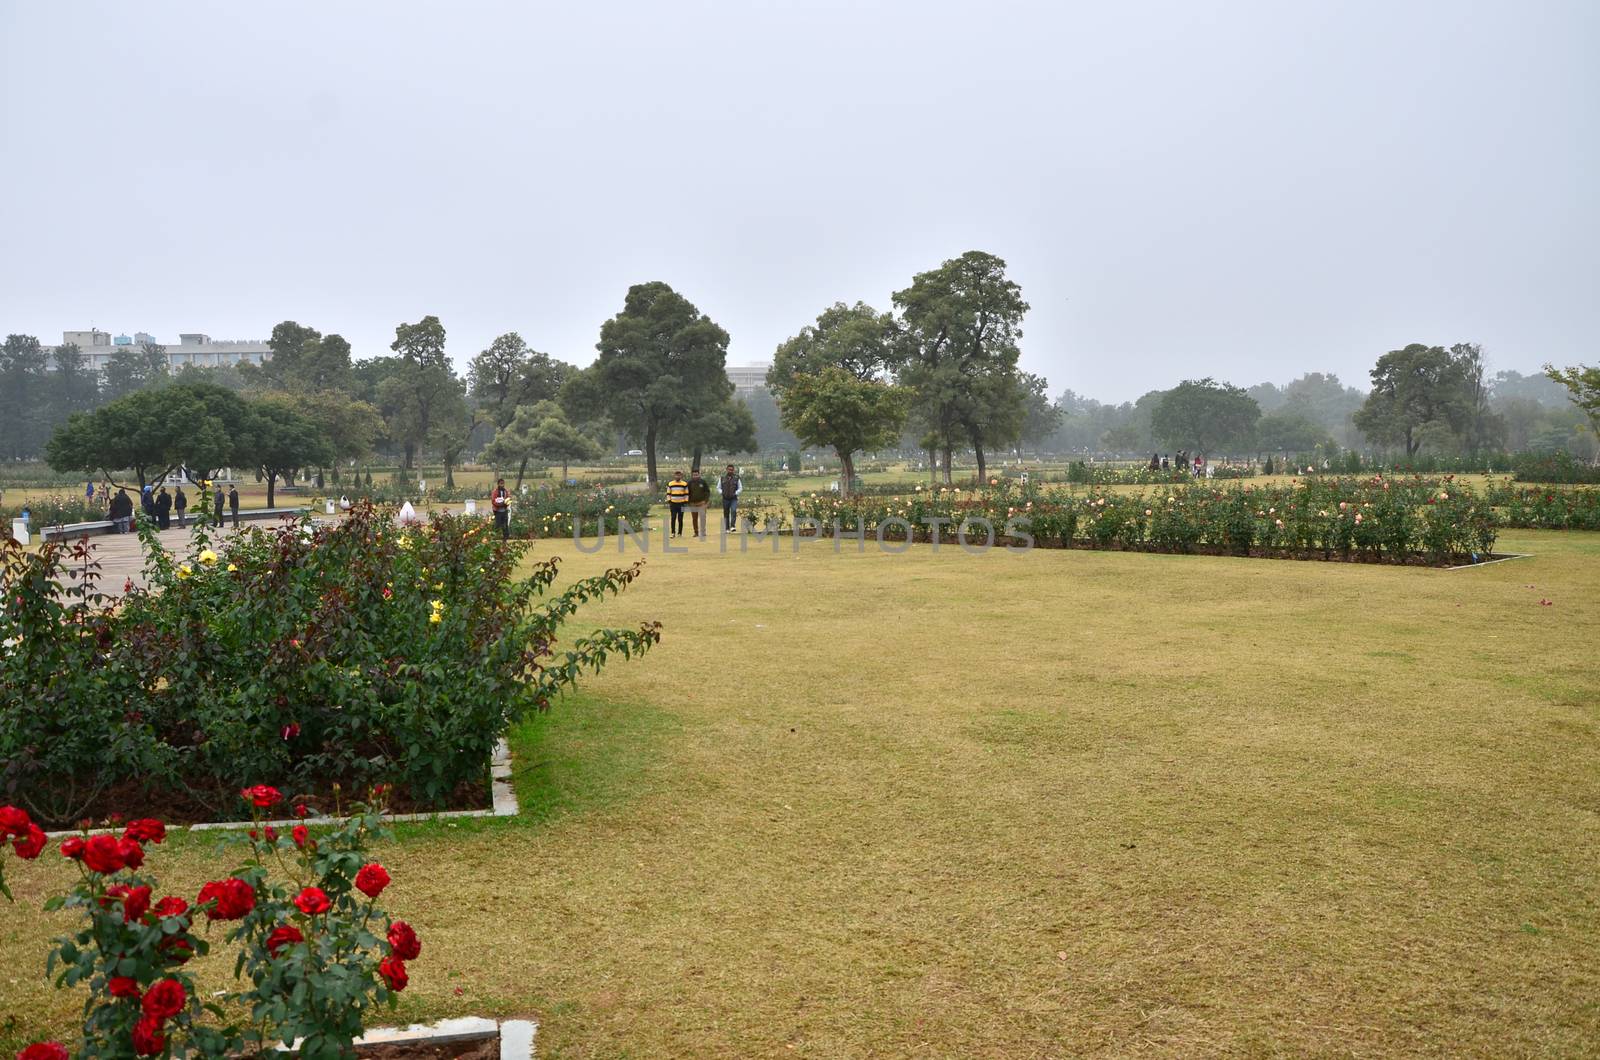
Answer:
(1031, 805)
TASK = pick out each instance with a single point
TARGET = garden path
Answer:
(121, 563)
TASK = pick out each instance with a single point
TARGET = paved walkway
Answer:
(121, 560)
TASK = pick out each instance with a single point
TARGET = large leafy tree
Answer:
(662, 363)
(422, 394)
(725, 428)
(1289, 432)
(509, 374)
(132, 368)
(961, 324)
(1202, 415)
(24, 397)
(540, 431)
(196, 426)
(277, 441)
(1417, 392)
(1583, 386)
(833, 383)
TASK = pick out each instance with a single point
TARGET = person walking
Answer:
(500, 502)
(216, 503)
(180, 502)
(163, 509)
(699, 501)
(233, 504)
(677, 497)
(729, 485)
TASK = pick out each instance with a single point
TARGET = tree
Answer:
(1288, 432)
(1583, 387)
(1040, 417)
(153, 433)
(24, 401)
(662, 363)
(1481, 428)
(1200, 415)
(539, 432)
(324, 365)
(74, 386)
(277, 441)
(132, 368)
(832, 383)
(508, 374)
(351, 427)
(725, 428)
(422, 392)
(291, 344)
(960, 325)
(1411, 388)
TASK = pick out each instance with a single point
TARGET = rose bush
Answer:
(316, 952)
(353, 652)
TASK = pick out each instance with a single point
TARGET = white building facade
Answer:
(748, 377)
(194, 348)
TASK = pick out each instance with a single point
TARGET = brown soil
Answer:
(473, 1049)
(131, 800)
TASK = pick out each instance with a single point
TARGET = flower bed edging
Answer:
(503, 799)
(516, 1036)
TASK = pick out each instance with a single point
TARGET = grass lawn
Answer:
(1027, 805)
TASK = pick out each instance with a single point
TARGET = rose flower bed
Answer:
(316, 951)
(1430, 522)
(356, 653)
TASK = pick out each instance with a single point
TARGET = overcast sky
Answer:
(1244, 190)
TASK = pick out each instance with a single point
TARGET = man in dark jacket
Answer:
(121, 511)
(217, 505)
(699, 501)
(163, 509)
(181, 504)
(729, 485)
(233, 504)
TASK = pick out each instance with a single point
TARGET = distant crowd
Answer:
(161, 506)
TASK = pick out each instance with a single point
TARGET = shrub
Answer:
(316, 950)
(1554, 468)
(353, 652)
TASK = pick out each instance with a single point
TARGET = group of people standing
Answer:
(159, 505)
(1181, 461)
(694, 493)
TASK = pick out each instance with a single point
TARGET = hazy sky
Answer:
(1245, 190)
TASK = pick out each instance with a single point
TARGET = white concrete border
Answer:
(1502, 558)
(503, 804)
(516, 1036)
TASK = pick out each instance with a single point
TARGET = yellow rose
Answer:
(208, 557)
(184, 571)
(232, 568)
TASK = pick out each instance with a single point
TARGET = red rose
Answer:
(271, 833)
(14, 820)
(302, 811)
(145, 830)
(233, 898)
(135, 901)
(175, 949)
(132, 853)
(372, 879)
(300, 834)
(403, 941)
(72, 847)
(31, 845)
(261, 796)
(171, 905)
(123, 986)
(312, 901)
(44, 1051)
(103, 854)
(285, 935)
(393, 970)
(147, 1037)
(164, 999)
(291, 730)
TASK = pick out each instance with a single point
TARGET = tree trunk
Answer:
(522, 469)
(272, 477)
(695, 466)
(978, 449)
(947, 479)
(449, 475)
(411, 451)
(933, 465)
(650, 455)
(849, 474)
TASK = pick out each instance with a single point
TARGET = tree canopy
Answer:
(1203, 415)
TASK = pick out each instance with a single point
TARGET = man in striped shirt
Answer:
(677, 497)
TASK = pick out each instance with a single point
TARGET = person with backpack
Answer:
(677, 497)
(729, 485)
(500, 503)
